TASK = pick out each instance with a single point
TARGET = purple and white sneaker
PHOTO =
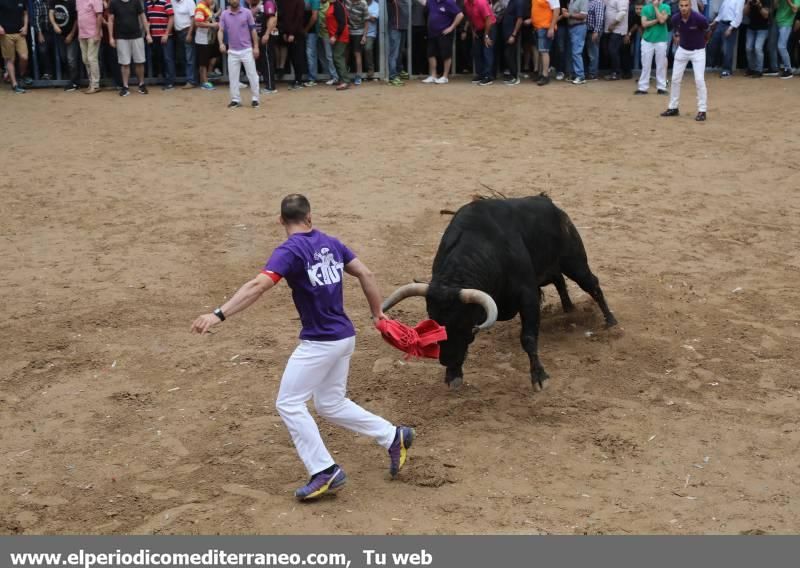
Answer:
(322, 483)
(398, 451)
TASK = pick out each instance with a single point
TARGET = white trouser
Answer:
(235, 60)
(318, 370)
(660, 51)
(698, 59)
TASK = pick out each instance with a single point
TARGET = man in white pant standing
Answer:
(313, 265)
(238, 37)
(690, 35)
(654, 42)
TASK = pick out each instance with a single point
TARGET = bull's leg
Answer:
(561, 286)
(578, 270)
(454, 377)
(529, 313)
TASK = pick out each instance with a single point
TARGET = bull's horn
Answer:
(404, 292)
(472, 296)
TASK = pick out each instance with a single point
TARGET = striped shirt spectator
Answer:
(41, 21)
(596, 18)
(158, 14)
(357, 12)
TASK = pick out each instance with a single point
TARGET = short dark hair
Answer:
(295, 208)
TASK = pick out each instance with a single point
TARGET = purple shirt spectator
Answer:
(441, 14)
(313, 264)
(692, 31)
(237, 26)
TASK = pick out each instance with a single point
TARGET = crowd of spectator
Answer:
(508, 40)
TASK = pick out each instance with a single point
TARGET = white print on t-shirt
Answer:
(327, 271)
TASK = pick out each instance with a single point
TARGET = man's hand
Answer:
(550, 33)
(40, 37)
(627, 39)
(164, 39)
(188, 37)
(2, 31)
(203, 323)
(256, 52)
(23, 31)
(223, 49)
(265, 39)
(112, 42)
(149, 39)
(728, 32)
(289, 38)
(333, 40)
(487, 41)
(378, 317)
(364, 39)
(511, 40)
(595, 37)
(57, 29)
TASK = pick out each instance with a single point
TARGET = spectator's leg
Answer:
(699, 66)
(681, 60)
(577, 39)
(168, 51)
(311, 56)
(249, 62)
(648, 49)
(783, 46)
(661, 66)
(234, 68)
(760, 40)
(750, 49)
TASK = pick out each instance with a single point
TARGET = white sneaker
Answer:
(330, 82)
(442, 81)
(429, 79)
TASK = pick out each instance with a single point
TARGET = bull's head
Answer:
(462, 311)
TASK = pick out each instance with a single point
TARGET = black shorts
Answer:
(527, 35)
(441, 47)
(203, 54)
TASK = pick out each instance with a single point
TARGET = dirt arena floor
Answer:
(125, 219)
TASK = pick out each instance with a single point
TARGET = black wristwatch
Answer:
(219, 314)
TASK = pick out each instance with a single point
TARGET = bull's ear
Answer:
(422, 281)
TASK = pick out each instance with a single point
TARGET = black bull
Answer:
(492, 260)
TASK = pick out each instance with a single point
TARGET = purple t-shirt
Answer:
(237, 26)
(441, 14)
(313, 265)
(692, 31)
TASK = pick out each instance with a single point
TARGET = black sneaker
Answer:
(476, 80)
(701, 117)
(662, 92)
(254, 104)
(591, 77)
(671, 112)
(142, 90)
(786, 74)
(234, 104)
(638, 92)
(485, 82)
(771, 73)
(612, 77)
(749, 73)
(71, 87)
(755, 75)
(124, 92)
(169, 87)
(543, 80)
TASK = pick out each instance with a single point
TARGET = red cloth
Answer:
(420, 341)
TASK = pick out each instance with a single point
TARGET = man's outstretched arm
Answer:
(241, 300)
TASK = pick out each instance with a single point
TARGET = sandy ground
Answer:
(124, 219)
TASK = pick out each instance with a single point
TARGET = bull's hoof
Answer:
(456, 383)
(539, 386)
(611, 322)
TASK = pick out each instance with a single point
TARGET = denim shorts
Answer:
(543, 43)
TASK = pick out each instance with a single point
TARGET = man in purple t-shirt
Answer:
(237, 36)
(443, 17)
(313, 265)
(690, 35)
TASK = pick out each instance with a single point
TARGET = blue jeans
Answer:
(166, 54)
(311, 56)
(755, 49)
(482, 56)
(594, 54)
(772, 45)
(188, 55)
(395, 37)
(563, 63)
(326, 44)
(726, 44)
(615, 42)
(783, 42)
(577, 37)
